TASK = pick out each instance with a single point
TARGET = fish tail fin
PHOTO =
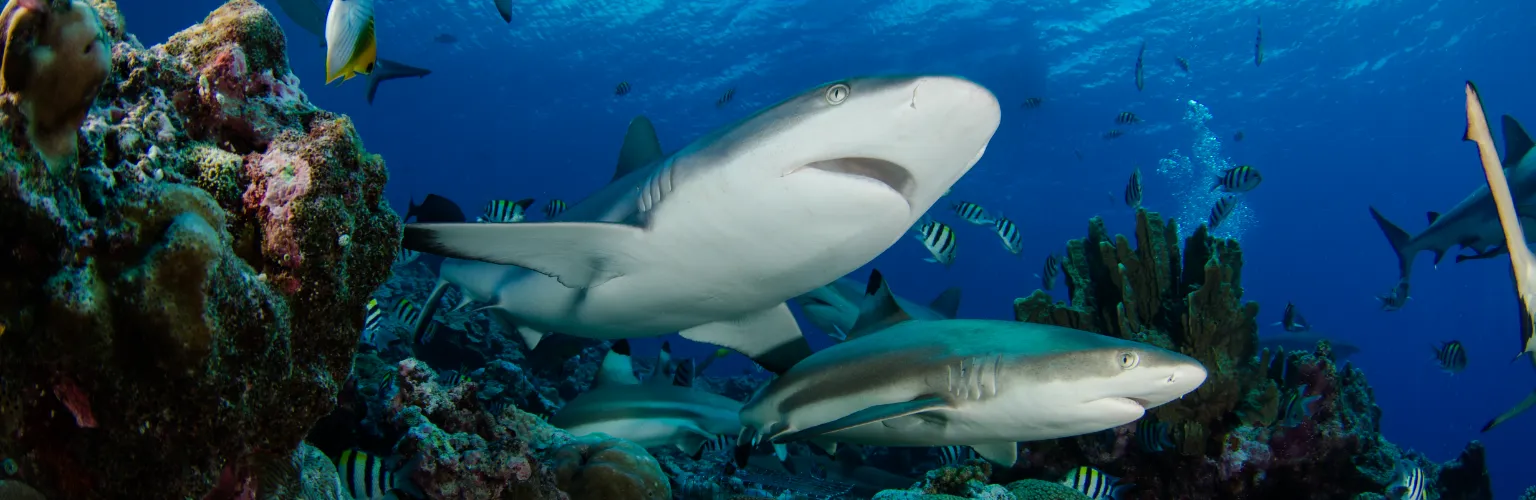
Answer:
(403, 482)
(1399, 239)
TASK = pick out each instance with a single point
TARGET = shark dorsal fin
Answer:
(879, 309)
(662, 374)
(1432, 216)
(947, 304)
(641, 147)
(1517, 143)
(616, 368)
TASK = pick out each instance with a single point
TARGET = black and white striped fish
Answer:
(1048, 275)
(1097, 485)
(721, 443)
(1153, 436)
(1133, 190)
(1127, 118)
(506, 211)
(366, 477)
(1451, 356)
(405, 257)
(407, 313)
(1239, 179)
(972, 213)
(1113, 134)
(1141, 77)
(554, 208)
(1410, 483)
(1009, 232)
(953, 455)
(1224, 207)
(621, 89)
(726, 99)
(939, 239)
(373, 315)
(1033, 102)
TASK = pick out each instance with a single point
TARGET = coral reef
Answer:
(173, 291)
(1232, 437)
(598, 466)
(55, 61)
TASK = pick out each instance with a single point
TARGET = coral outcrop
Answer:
(53, 61)
(598, 466)
(181, 289)
(1236, 436)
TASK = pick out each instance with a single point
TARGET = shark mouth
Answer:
(891, 174)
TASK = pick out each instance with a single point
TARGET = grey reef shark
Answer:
(654, 413)
(986, 384)
(1522, 262)
(310, 15)
(710, 241)
(834, 308)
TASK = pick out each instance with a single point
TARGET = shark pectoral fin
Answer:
(947, 303)
(661, 374)
(641, 147)
(1004, 454)
(826, 445)
(617, 367)
(782, 452)
(530, 337)
(578, 254)
(770, 337)
(868, 415)
(1518, 409)
(879, 310)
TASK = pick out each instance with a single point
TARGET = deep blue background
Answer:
(1359, 102)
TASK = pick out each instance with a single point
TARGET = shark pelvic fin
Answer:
(947, 303)
(578, 254)
(868, 415)
(1432, 216)
(1004, 454)
(1517, 143)
(879, 310)
(770, 337)
(641, 147)
(616, 368)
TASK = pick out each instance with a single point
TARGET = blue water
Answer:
(1358, 102)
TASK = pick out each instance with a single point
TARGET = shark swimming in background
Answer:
(711, 240)
(1473, 223)
(981, 383)
(653, 413)
(311, 15)
(1522, 261)
(835, 308)
(385, 70)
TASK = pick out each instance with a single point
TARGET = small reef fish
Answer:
(1223, 208)
(1127, 118)
(1183, 63)
(726, 99)
(1153, 436)
(554, 208)
(506, 210)
(434, 209)
(1395, 298)
(372, 315)
(407, 313)
(1133, 190)
(406, 256)
(350, 46)
(1238, 137)
(1009, 232)
(939, 239)
(1239, 179)
(953, 455)
(718, 444)
(1451, 356)
(1113, 134)
(1293, 407)
(1292, 320)
(1258, 44)
(445, 38)
(1033, 102)
(1048, 275)
(972, 213)
(1409, 484)
(1094, 483)
(1141, 79)
(365, 477)
(621, 89)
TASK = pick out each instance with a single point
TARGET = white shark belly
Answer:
(646, 432)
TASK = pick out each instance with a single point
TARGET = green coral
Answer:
(1034, 489)
(218, 172)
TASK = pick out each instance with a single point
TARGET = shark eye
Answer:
(836, 94)
(1129, 360)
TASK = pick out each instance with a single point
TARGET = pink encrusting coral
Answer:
(279, 179)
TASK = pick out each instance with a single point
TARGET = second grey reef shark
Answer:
(711, 240)
(310, 15)
(986, 384)
(835, 308)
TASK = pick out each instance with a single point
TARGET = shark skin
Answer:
(835, 308)
(650, 415)
(711, 240)
(1473, 223)
(385, 70)
(1522, 261)
(983, 383)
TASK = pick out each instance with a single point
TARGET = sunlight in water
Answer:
(1195, 175)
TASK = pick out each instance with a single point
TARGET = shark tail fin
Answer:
(616, 368)
(373, 85)
(428, 309)
(1398, 238)
(1529, 401)
(879, 309)
(947, 303)
(1517, 143)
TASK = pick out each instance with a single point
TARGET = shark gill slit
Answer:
(892, 175)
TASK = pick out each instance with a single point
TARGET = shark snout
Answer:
(1181, 375)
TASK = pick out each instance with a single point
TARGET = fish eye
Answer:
(1129, 360)
(836, 94)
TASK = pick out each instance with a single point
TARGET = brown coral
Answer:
(599, 467)
(55, 61)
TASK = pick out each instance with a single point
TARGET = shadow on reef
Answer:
(173, 290)
(1231, 438)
